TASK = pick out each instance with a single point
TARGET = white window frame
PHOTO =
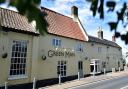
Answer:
(80, 47)
(107, 49)
(62, 68)
(18, 65)
(56, 42)
(96, 64)
(99, 49)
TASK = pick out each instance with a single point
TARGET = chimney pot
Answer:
(100, 33)
(74, 11)
(113, 38)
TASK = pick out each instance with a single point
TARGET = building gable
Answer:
(63, 26)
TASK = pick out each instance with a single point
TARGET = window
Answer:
(56, 42)
(61, 68)
(80, 47)
(107, 49)
(95, 66)
(99, 49)
(80, 65)
(18, 58)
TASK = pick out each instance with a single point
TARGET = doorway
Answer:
(80, 68)
(95, 66)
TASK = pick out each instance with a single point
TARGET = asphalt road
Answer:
(118, 83)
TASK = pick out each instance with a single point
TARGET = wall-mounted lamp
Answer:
(86, 58)
(92, 44)
(44, 57)
(107, 47)
(4, 55)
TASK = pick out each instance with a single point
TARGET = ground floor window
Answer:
(61, 68)
(18, 58)
(95, 66)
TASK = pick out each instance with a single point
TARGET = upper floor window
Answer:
(80, 47)
(56, 42)
(107, 48)
(99, 49)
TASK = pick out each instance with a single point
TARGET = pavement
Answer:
(115, 83)
(87, 80)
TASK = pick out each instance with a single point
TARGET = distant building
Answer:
(126, 57)
(66, 50)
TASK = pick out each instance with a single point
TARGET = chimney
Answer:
(74, 12)
(100, 33)
(113, 38)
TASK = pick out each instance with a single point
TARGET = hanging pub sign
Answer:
(52, 53)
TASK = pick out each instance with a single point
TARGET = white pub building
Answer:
(65, 50)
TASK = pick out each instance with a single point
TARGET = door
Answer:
(92, 68)
(80, 68)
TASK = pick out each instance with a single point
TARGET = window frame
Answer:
(80, 47)
(99, 49)
(107, 48)
(20, 49)
(56, 42)
(62, 68)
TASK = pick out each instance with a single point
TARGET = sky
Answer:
(90, 23)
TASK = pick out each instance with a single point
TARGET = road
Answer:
(117, 83)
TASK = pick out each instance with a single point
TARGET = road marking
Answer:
(125, 87)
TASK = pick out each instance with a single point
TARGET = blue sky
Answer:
(89, 22)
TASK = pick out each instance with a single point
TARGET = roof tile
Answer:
(103, 41)
(63, 25)
(58, 24)
(12, 19)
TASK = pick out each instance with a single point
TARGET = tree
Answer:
(97, 7)
(31, 9)
(126, 54)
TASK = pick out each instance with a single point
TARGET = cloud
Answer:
(89, 22)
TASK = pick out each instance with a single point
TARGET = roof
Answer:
(11, 20)
(58, 24)
(103, 41)
(63, 25)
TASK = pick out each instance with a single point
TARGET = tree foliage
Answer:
(126, 54)
(97, 7)
(31, 9)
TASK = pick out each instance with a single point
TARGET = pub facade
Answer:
(66, 50)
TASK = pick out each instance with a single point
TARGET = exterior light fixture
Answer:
(4, 55)
(44, 57)
(92, 44)
(86, 58)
